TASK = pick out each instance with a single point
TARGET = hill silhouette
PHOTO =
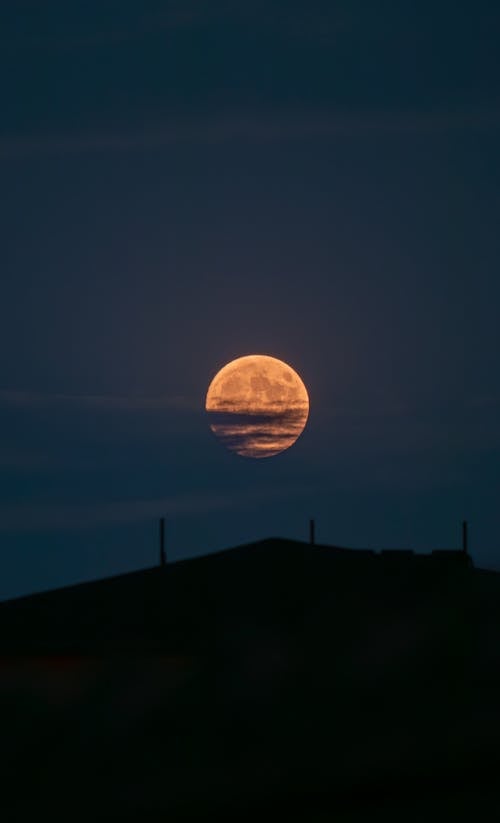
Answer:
(275, 676)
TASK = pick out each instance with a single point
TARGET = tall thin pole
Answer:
(312, 532)
(465, 537)
(163, 556)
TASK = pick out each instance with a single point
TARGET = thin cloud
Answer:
(96, 30)
(36, 517)
(252, 129)
(21, 459)
(103, 402)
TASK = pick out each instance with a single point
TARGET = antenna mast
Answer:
(312, 532)
(465, 538)
(163, 555)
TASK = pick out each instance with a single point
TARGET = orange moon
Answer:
(257, 405)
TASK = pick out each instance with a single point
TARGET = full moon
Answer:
(257, 405)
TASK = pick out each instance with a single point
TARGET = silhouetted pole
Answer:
(163, 556)
(312, 532)
(465, 538)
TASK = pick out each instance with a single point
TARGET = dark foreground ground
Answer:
(275, 679)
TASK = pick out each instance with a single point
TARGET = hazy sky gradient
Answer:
(185, 183)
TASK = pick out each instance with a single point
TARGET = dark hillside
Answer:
(274, 674)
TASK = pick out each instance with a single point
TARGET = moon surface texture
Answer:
(257, 406)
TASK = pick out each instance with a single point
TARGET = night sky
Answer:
(184, 183)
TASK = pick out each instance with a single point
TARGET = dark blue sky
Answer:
(184, 183)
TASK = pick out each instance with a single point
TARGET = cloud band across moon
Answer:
(258, 436)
